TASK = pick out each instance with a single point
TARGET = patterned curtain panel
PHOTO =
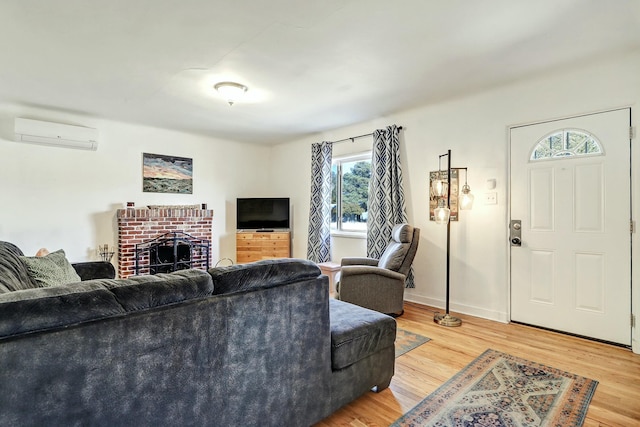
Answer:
(386, 195)
(319, 241)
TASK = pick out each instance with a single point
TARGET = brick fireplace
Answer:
(139, 225)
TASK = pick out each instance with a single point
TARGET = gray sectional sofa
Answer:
(246, 345)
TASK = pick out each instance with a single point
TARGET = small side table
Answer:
(332, 270)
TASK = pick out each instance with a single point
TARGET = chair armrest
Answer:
(359, 261)
(372, 287)
(95, 270)
(350, 271)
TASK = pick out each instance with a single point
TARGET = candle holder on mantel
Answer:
(105, 252)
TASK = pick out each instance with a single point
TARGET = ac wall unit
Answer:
(56, 134)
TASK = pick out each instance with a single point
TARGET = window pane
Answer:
(566, 143)
(575, 141)
(355, 194)
(541, 151)
(592, 147)
(555, 142)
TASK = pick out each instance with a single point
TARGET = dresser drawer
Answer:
(252, 247)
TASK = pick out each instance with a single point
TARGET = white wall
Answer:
(475, 128)
(62, 198)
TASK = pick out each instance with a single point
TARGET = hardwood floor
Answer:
(616, 401)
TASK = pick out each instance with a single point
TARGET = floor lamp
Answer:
(442, 214)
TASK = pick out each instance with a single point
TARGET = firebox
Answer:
(171, 252)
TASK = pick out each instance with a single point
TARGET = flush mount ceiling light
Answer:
(231, 91)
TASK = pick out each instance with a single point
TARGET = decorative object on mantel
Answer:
(176, 206)
(131, 205)
(166, 174)
(106, 252)
(445, 190)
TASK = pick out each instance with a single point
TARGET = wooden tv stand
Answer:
(258, 245)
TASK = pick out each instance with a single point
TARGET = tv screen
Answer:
(261, 213)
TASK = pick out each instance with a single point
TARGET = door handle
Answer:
(515, 231)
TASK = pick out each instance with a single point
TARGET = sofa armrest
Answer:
(359, 261)
(95, 270)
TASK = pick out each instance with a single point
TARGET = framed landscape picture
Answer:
(166, 174)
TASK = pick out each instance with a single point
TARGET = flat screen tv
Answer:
(262, 213)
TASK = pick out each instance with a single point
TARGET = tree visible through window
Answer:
(350, 193)
(566, 142)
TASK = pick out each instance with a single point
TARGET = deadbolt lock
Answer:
(515, 232)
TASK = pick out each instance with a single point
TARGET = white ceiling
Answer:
(310, 66)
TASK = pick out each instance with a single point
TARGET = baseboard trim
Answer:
(498, 316)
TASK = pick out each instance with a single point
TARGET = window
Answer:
(565, 143)
(350, 193)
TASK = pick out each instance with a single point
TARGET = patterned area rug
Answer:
(407, 341)
(500, 390)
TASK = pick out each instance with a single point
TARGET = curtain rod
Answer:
(356, 137)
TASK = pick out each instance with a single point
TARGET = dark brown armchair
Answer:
(378, 284)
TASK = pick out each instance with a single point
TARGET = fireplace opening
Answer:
(171, 252)
(163, 260)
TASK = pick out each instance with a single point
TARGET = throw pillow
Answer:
(51, 270)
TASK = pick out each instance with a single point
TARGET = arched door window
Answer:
(566, 143)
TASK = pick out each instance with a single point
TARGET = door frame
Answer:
(634, 206)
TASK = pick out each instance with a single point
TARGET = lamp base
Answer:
(446, 320)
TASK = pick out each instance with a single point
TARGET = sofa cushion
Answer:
(261, 274)
(14, 275)
(142, 292)
(33, 310)
(88, 270)
(357, 332)
(51, 270)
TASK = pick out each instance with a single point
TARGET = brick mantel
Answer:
(141, 224)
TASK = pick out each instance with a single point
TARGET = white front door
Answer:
(570, 188)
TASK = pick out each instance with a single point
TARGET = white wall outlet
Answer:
(491, 198)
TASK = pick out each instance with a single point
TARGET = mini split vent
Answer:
(56, 134)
